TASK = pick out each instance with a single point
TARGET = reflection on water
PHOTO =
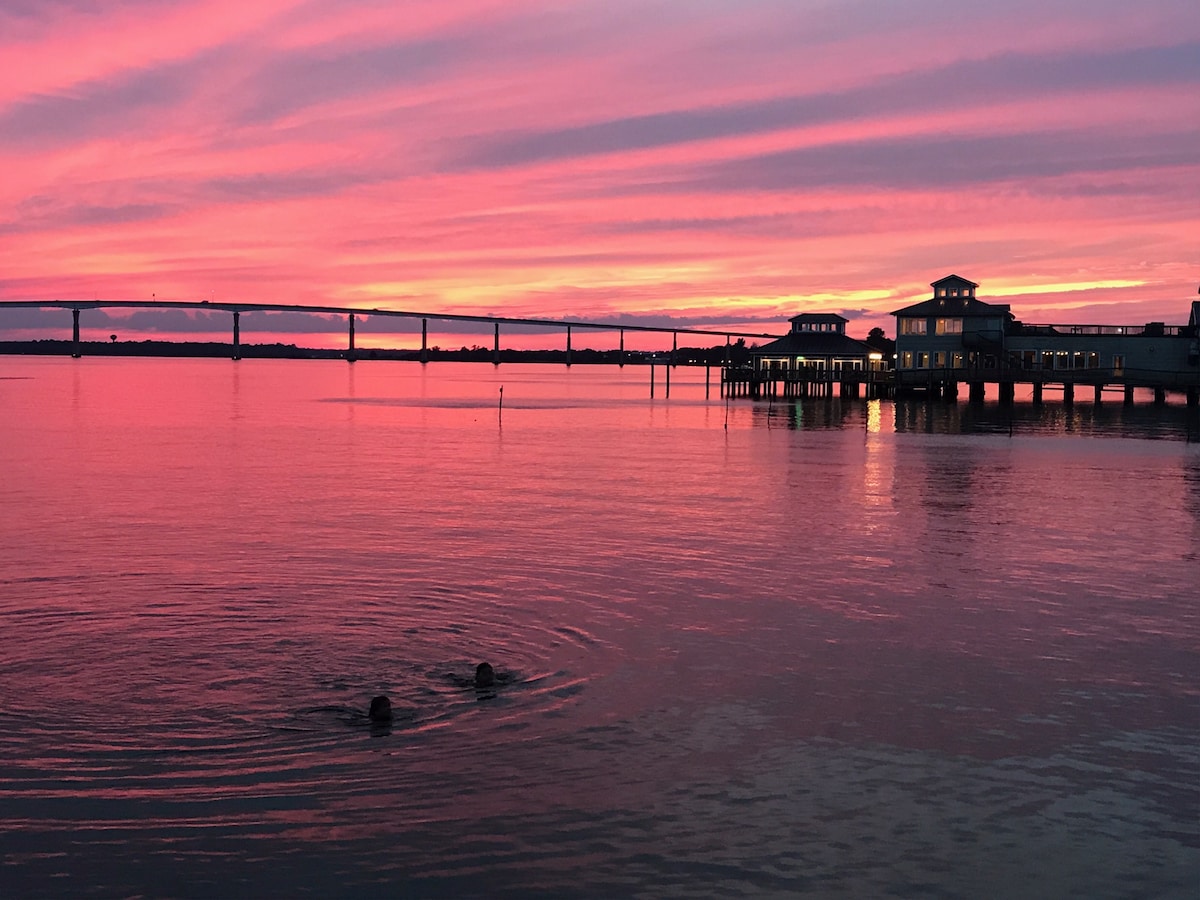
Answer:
(1141, 420)
(818, 648)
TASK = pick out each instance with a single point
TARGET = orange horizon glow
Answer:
(721, 163)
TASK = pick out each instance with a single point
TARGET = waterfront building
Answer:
(814, 359)
(816, 341)
(954, 337)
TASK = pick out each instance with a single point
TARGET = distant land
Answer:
(738, 352)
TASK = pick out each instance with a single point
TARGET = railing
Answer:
(1150, 329)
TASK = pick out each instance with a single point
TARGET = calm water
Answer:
(828, 650)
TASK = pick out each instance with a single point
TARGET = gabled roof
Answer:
(965, 307)
(955, 279)
(814, 343)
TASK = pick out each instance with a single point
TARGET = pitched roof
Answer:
(966, 307)
(957, 279)
(814, 343)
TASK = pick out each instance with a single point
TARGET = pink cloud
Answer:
(728, 160)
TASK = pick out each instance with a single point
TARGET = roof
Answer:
(1195, 317)
(820, 318)
(956, 279)
(814, 343)
(966, 307)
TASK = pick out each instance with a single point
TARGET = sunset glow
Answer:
(678, 163)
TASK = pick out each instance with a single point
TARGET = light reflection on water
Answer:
(758, 648)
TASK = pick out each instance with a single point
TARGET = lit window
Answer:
(939, 359)
(912, 326)
(922, 360)
(906, 359)
(948, 326)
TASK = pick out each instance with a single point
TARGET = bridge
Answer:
(236, 309)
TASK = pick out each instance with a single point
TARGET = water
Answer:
(757, 649)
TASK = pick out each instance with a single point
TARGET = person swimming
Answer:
(381, 709)
(485, 675)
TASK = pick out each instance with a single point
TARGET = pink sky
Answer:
(708, 163)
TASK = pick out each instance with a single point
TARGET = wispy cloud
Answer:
(745, 158)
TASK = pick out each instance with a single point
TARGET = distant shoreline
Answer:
(714, 356)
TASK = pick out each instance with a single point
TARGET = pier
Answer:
(802, 382)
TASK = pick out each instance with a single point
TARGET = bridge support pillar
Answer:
(237, 335)
(1068, 393)
(621, 351)
(569, 347)
(674, 346)
(75, 334)
(975, 393)
(496, 345)
(350, 343)
(424, 340)
(1128, 395)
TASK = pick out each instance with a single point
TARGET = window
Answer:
(906, 359)
(1118, 365)
(922, 360)
(912, 326)
(957, 360)
(939, 359)
(948, 326)
(941, 292)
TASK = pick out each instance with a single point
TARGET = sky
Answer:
(708, 163)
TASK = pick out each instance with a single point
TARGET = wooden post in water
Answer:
(651, 378)
(706, 389)
(674, 347)
(496, 354)
(1128, 395)
(75, 334)
(1068, 393)
(424, 340)
(237, 334)
(667, 370)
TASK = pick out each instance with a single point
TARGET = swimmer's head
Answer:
(485, 675)
(381, 709)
